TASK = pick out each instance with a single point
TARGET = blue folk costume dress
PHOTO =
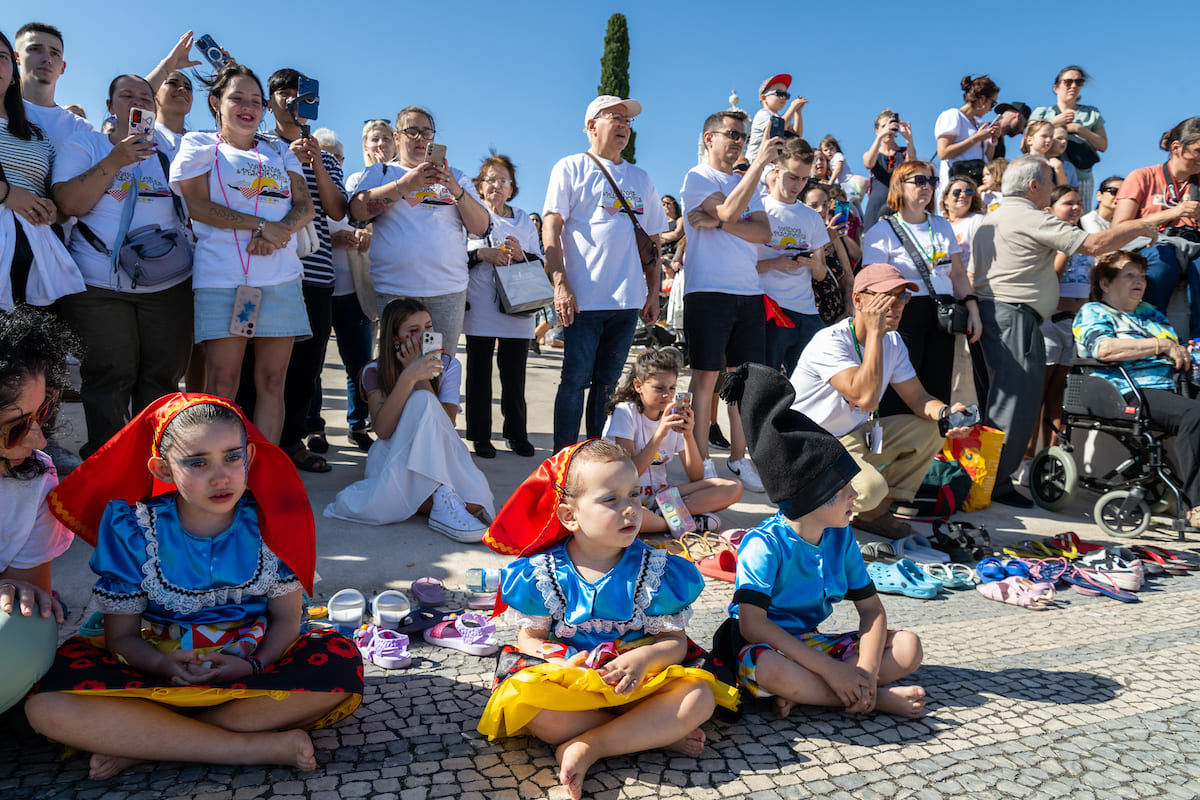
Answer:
(195, 592)
(648, 592)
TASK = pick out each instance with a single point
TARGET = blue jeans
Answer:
(352, 330)
(1162, 276)
(595, 346)
(784, 345)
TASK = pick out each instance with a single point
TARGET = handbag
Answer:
(951, 316)
(647, 248)
(1079, 152)
(523, 287)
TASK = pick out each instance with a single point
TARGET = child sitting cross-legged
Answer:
(602, 666)
(794, 566)
(646, 419)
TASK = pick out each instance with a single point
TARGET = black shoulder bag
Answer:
(1079, 151)
(951, 315)
(647, 248)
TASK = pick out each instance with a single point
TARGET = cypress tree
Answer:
(614, 70)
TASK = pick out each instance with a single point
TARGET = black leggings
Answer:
(1181, 416)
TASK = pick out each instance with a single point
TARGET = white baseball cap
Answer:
(605, 101)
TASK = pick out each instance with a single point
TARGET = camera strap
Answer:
(914, 253)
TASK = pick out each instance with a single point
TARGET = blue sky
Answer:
(517, 76)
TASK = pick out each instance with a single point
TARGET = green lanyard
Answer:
(874, 415)
(932, 248)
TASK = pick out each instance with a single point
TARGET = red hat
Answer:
(881, 278)
(782, 77)
(117, 471)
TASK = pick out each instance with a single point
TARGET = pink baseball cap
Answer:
(881, 278)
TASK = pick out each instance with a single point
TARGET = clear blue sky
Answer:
(517, 76)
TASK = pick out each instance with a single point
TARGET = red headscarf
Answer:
(117, 471)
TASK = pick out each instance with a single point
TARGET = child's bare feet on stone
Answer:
(903, 701)
(691, 745)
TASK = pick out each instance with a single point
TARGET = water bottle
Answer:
(346, 611)
(483, 580)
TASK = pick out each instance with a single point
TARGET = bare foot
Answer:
(903, 701)
(576, 758)
(297, 749)
(104, 767)
(783, 707)
(691, 745)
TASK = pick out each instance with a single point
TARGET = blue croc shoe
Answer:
(897, 579)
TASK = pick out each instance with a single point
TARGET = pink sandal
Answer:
(470, 633)
(382, 647)
(1021, 592)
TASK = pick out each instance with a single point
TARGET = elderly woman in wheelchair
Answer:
(1129, 382)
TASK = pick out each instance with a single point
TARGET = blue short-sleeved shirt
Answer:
(1095, 322)
(797, 582)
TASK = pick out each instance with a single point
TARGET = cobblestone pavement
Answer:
(1092, 699)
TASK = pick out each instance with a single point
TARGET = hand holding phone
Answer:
(435, 153)
(431, 342)
(212, 52)
(958, 419)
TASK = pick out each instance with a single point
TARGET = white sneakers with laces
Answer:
(744, 469)
(449, 517)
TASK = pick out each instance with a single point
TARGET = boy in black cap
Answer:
(794, 566)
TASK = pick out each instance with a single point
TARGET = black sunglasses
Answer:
(1110, 190)
(920, 181)
(21, 426)
(957, 192)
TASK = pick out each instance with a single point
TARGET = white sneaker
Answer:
(746, 473)
(710, 469)
(449, 517)
(707, 521)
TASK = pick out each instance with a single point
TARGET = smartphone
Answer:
(141, 123)
(211, 51)
(246, 301)
(435, 153)
(777, 127)
(308, 98)
(959, 419)
(683, 402)
(431, 342)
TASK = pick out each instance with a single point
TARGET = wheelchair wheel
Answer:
(1110, 519)
(1053, 479)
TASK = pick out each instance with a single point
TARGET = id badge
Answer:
(876, 439)
(246, 301)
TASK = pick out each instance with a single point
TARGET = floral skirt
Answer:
(524, 685)
(319, 661)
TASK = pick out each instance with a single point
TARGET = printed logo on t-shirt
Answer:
(147, 190)
(271, 184)
(790, 239)
(610, 203)
(436, 195)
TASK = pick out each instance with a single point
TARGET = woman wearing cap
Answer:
(1084, 124)
(960, 135)
(773, 94)
(882, 158)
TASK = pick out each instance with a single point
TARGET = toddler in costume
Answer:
(601, 621)
(794, 566)
(213, 571)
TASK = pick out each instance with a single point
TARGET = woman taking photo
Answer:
(512, 238)
(882, 158)
(930, 348)
(961, 137)
(1084, 124)
(1167, 195)
(833, 293)
(246, 198)
(139, 333)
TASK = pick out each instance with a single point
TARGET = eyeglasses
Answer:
(419, 133)
(498, 181)
(960, 192)
(21, 426)
(920, 181)
(901, 299)
(732, 135)
(1110, 190)
(612, 116)
(778, 93)
(1072, 81)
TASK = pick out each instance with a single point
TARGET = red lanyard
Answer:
(245, 262)
(1170, 183)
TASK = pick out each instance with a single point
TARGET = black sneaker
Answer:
(1009, 496)
(716, 438)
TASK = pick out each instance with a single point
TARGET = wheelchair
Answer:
(1144, 483)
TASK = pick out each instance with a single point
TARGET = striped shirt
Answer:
(318, 267)
(27, 165)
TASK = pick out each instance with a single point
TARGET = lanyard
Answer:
(858, 349)
(913, 236)
(245, 262)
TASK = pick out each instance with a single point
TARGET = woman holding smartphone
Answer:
(138, 333)
(246, 198)
(882, 158)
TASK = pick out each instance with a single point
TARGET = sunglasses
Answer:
(1072, 81)
(21, 426)
(732, 135)
(1110, 190)
(960, 192)
(920, 181)
(901, 299)
(778, 93)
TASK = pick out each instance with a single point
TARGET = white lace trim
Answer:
(669, 623)
(185, 601)
(533, 623)
(284, 588)
(119, 603)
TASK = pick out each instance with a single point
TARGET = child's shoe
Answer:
(710, 469)
(744, 469)
(449, 517)
(707, 521)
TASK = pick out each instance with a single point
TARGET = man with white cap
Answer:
(592, 258)
(839, 379)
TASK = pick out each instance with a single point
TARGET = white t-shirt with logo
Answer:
(419, 244)
(832, 351)
(717, 261)
(599, 247)
(57, 123)
(627, 422)
(154, 207)
(243, 181)
(882, 246)
(795, 230)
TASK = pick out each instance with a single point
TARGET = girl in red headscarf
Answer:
(601, 620)
(200, 589)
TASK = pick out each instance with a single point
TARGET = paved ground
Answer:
(1092, 699)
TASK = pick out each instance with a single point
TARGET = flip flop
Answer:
(879, 551)
(1128, 575)
(722, 566)
(1091, 583)
(990, 569)
(428, 591)
(949, 578)
(1187, 561)
(894, 579)
(1155, 563)
(1020, 592)
(917, 548)
(1072, 546)
(311, 461)
(422, 620)
(469, 633)
(1050, 570)
(382, 647)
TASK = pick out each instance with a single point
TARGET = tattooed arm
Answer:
(370, 203)
(78, 196)
(302, 211)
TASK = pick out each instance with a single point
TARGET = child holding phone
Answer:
(645, 418)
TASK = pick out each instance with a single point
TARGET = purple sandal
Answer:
(382, 647)
(471, 633)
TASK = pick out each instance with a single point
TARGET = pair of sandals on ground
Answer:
(309, 456)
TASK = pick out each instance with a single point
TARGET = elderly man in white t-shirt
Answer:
(839, 380)
(592, 257)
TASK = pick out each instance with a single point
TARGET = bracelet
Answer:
(7, 192)
(1157, 342)
(720, 224)
(262, 224)
(255, 664)
(461, 192)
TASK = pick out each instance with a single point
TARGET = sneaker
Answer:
(449, 517)
(710, 469)
(744, 469)
(716, 438)
(707, 521)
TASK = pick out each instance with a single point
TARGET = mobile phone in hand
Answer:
(212, 52)
(777, 127)
(141, 123)
(435, 153)
(959, 419)
(683, 402)
(308, 98)
(431, 342)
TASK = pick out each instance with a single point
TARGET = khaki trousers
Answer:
(909, 445)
